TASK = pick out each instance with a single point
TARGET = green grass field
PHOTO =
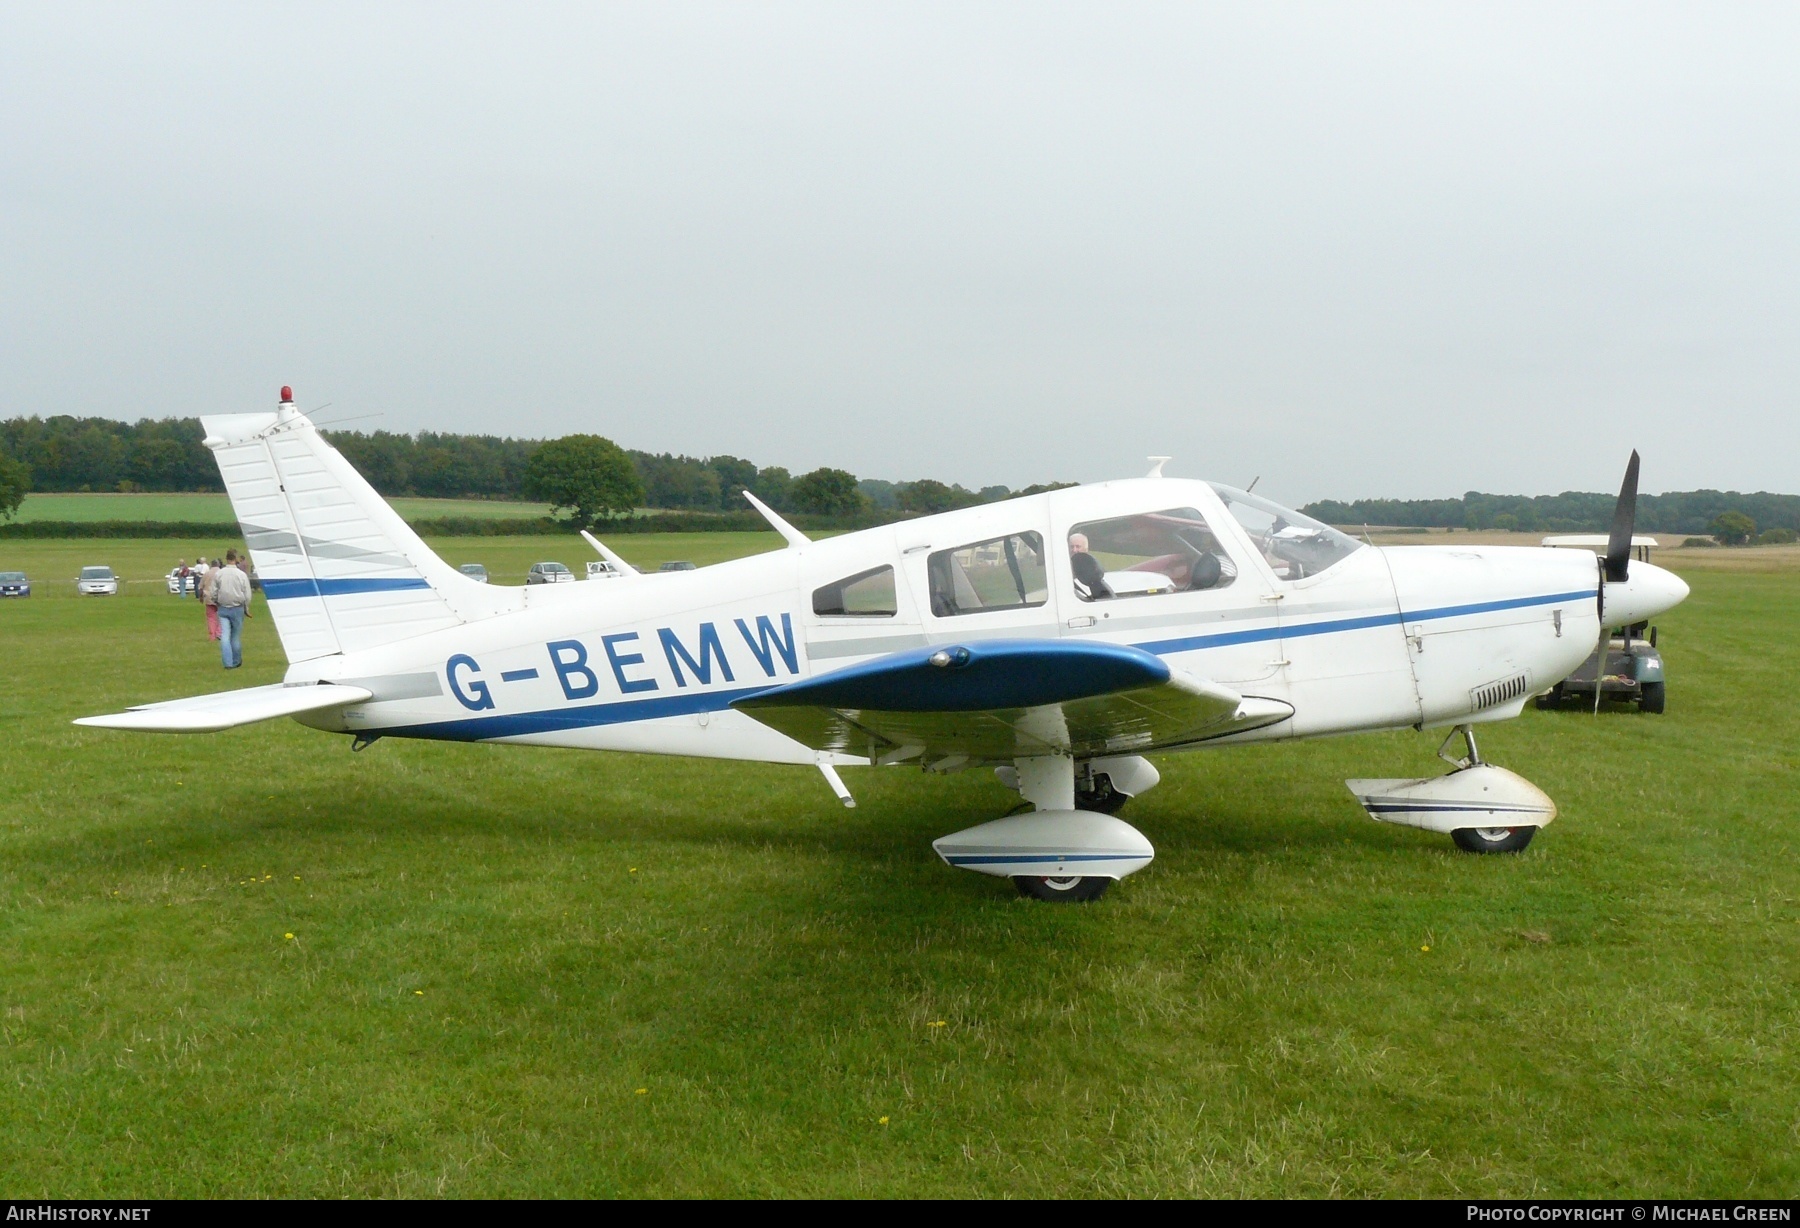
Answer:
(143, 565)
(216, 509)
(255, 963)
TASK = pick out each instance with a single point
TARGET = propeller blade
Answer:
(1618, 542)
(1605, 631)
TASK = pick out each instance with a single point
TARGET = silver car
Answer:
(549, 573)
(97, 582)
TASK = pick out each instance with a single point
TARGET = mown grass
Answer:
(521, 971)
(216, 509)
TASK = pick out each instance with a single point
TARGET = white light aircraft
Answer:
(1057, 638)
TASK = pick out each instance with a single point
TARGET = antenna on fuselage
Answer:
(1253, 482)
(600, 549)
(1156, 465)
(794, 536)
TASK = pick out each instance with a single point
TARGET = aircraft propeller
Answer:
(1615, 565)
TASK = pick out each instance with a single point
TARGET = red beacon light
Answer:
(287, 395)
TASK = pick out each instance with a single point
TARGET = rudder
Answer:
(341, 570)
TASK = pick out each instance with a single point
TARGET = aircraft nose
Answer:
(1647, 591)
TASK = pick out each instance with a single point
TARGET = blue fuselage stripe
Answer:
(585, 716)
(1361, 623)
(619, 712)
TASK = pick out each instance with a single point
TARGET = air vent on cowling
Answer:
(1494, 693)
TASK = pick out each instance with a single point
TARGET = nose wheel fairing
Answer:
(1484, 808)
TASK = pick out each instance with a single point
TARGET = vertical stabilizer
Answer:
(341, 571)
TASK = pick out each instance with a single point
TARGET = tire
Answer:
(1653, 698)
(1493, 839)
(1069, 890)
(1104, 799)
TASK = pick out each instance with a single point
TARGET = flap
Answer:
(228, 709)
(1005, 699)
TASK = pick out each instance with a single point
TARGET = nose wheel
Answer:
(1493, 839)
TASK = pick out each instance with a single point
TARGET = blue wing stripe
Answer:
(983, 676)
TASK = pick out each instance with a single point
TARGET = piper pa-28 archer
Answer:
(1058, 638)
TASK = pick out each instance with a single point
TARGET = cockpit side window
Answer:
(1147, 554)
(867, 594)
(1295, 546)
(1003, 573)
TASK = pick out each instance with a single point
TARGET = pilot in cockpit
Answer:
(1090, 576)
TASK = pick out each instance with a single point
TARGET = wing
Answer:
(1007, 699)
(228, 709)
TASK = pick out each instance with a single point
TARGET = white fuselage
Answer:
(1382, 638)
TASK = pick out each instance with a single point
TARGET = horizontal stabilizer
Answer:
(229, 709)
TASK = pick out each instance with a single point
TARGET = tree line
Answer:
(68, 454)
(166, 454)
(1687, 511)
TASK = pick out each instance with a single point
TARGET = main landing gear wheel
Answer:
(1069, 889)
(1492, 839)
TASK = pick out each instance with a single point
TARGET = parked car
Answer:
(549, 573)
(475, 572)
(14, 584)
(179, 584)
(677, 565)
(97, 582)
(600, 569)
(1632, 669)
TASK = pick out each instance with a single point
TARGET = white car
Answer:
(600, 569)
(97, 582)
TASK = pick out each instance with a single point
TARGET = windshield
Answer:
(96, 573)
(11, 577)
(551, 567)
(1295, 546)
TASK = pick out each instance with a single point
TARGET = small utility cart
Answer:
(1633, 669)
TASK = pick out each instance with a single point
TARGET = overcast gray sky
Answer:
(1402, 250)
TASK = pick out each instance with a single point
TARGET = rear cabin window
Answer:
(1148, 554)
(867, 594)
(1002, 573)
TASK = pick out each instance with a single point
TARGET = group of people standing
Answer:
(224, 588)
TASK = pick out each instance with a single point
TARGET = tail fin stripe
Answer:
(260, 538)
(277, 590)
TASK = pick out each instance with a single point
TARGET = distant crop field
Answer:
(255, 963)
(217, 508)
